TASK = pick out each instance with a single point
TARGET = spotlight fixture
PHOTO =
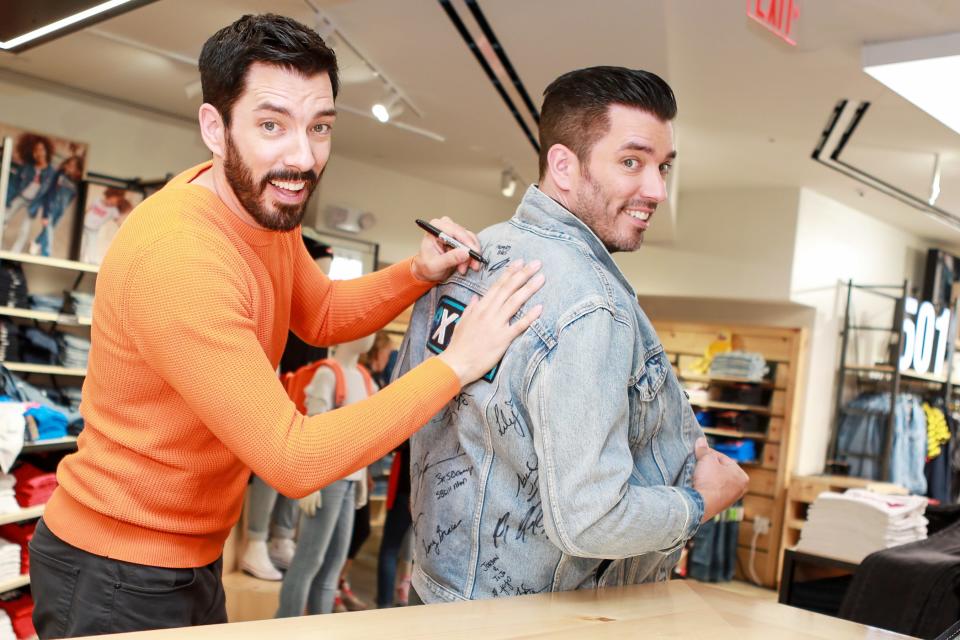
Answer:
(26, 23)
(508, 183)
(390, 109)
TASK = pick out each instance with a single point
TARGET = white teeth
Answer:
(289, 186)
(643, 216)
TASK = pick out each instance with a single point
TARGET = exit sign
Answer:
(779, 16)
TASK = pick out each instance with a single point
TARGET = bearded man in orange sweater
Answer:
(194, 301)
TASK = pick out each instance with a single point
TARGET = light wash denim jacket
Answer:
(577, 447)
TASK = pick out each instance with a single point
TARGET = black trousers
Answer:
(78, 593)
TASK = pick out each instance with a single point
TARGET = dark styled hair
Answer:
(26, 144)
(575, 106)
(267, 38)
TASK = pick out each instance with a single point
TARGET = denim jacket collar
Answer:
(542, 212)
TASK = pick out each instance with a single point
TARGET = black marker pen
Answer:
(449, 240)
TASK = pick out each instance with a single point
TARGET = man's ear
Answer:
(213, 130)
(563, 167)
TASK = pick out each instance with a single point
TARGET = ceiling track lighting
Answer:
(53, 24)
(849, 170)
(384, 111)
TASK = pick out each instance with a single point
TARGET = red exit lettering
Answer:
(779, 16)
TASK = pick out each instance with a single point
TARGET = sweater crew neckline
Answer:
(252, 235)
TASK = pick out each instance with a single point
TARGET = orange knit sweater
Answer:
(182, 400)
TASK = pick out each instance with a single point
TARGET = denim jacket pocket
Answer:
(645, 414)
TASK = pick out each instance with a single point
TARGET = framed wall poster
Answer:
(106, 205)
(41, 194)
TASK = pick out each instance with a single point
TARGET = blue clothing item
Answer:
(63, 191)
(862, 434)
(578, 447)
(20, 178)
(311, 581)
(50, 422)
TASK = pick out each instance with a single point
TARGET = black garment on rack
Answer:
(913, 588)
(298, 353)
(939, 475)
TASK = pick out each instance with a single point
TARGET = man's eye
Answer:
(631, 163)
(665, 168)
(321, 128)
(269, 126)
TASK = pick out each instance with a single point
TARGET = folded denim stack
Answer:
(46, 302)
(739, 364)
(74, 351)
(852, 525)
(9, 560)
(39, 347)
(8, 500)
(11, 343)
(13, 286)
(82, 303)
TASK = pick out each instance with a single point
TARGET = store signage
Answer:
(925, 337)
(779, 16)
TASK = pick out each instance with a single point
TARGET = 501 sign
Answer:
(925, 337)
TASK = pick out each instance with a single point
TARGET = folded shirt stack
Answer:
(8, 499)
(48, 423)
(21, 534)
(40, 347)
(9, 560)
(13, 286)
(20, 610)
(852, 525)
(10, 341)
(74, 351)
(82, 303)
(6, 627)
(46, 302)
(739, 364)
(33, 485)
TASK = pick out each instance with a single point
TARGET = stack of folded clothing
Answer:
(82, 303)
(739, 364)
(6, 627)
(45, 423)
(70, 397)
(46, 302)
(21, 534)
(9, 560)
(852, 525)
(33, 485)
(13, 286)
(74, 351)
(8, 500)
(10, 341)
(39, 347)
(20, 610)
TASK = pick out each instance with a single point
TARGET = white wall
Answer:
(835, 243)
(729, 244)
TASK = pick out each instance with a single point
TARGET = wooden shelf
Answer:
(52, 444)
(730, 406)
(14, 583)
(725, 433)
(45, 316)
(23, 514)
(26, 367)
(57, 263)
(699, 377)
(888, 370)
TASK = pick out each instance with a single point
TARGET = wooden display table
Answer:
(678, 609)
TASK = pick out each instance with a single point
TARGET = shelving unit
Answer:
(52, 444)
(56, 263)
(770, 474)
(15, 583)
(46, 316)
(49, 369)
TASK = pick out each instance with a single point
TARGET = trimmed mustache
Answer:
(280, 175)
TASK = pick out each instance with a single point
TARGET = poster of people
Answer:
(41, 197)
(105, 209)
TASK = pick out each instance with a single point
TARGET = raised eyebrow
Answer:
(643, 148)
(268, 106)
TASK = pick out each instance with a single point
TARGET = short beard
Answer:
(283, 217)
(592, 207)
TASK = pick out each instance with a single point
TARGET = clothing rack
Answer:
(888, 376)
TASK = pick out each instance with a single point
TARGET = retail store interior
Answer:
(802, 277)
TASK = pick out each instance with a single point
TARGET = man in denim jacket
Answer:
(577, 462)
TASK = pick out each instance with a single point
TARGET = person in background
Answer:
(30, 182)
(62, 194)
(194, 302)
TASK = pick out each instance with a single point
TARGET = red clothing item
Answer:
(20, 611)
(182, 399)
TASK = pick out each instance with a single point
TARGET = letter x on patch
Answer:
(445, 320)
